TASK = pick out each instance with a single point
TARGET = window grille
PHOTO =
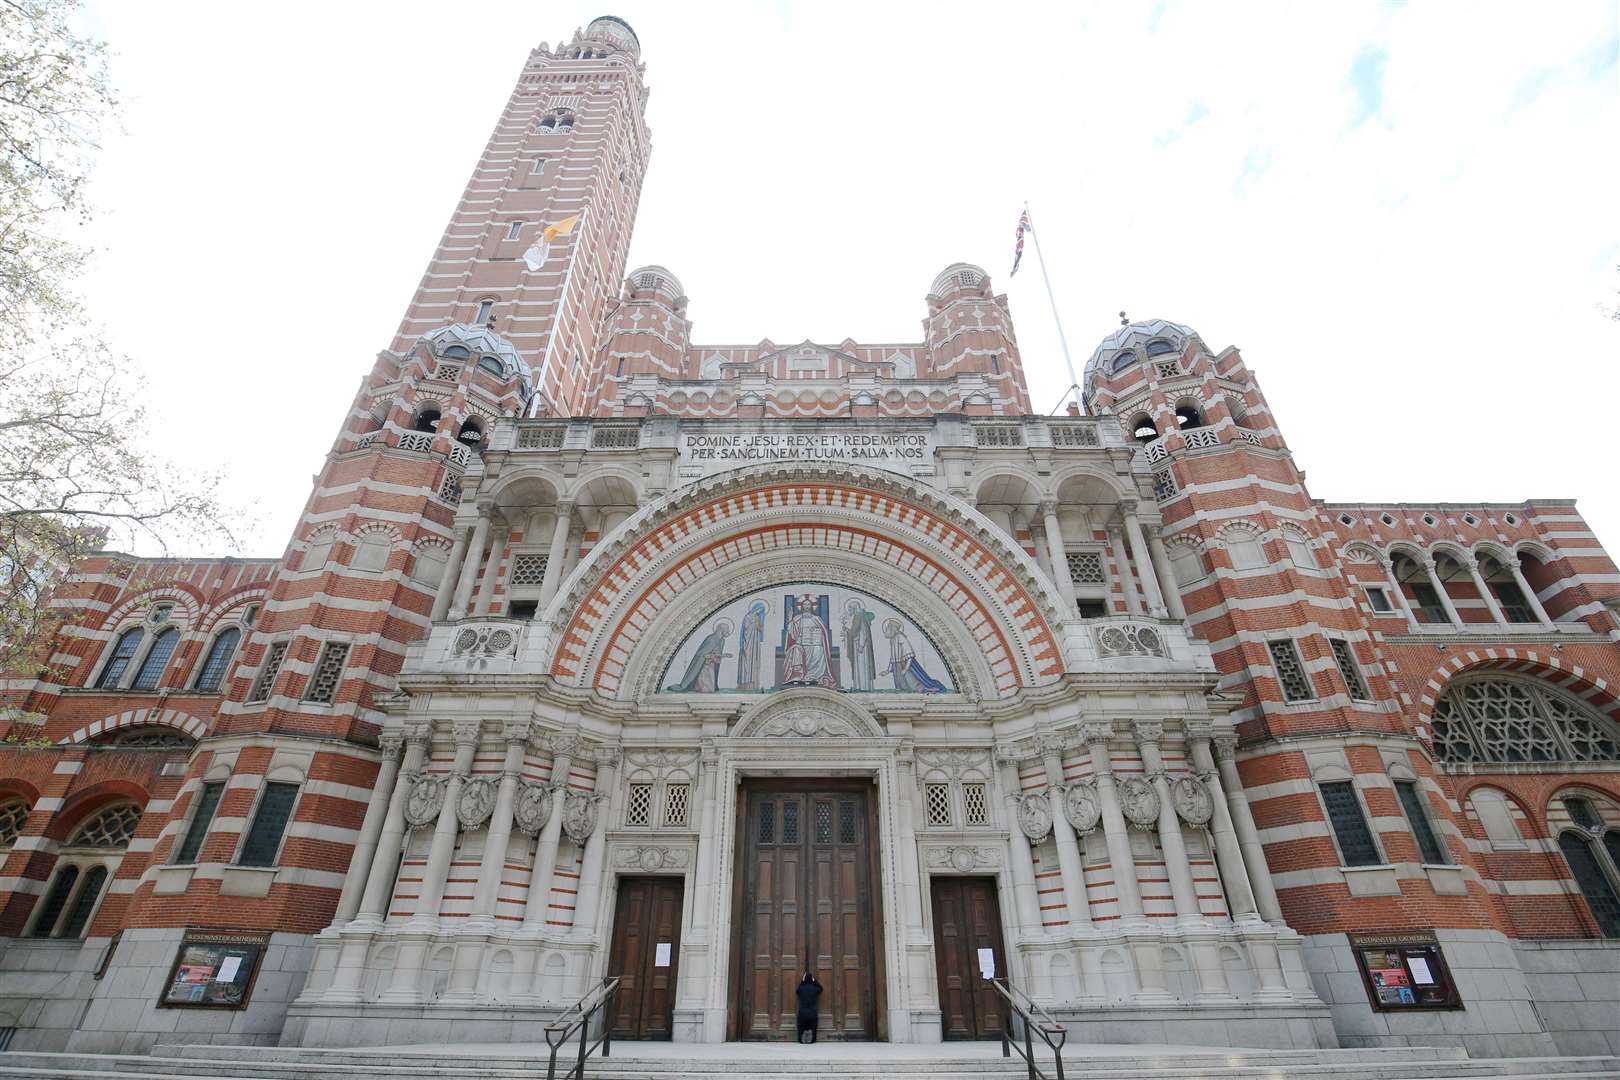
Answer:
(767, 823)
(1291, 676)
(267, 674)
(976, 804)
(12, 817)
(678, 797)
(323, 684)
(111, 828)
(50, 911)
(1167, 369)
(85, 903)
(1594, 884)
(647, 281)
(1349, 824)
(1345, 658)
(1071, 436)
(528, 570)
(219, 657)
(146, 737)
(450, 488)
(269, 825)
(1164, 486)
(790, 822)
(207, 803)
(823, 823)
(1428, 843)
(1086, 568)
(123, 653)
(937, 801)
(447, 372)
(1500, 718)
(541, 438)
(638, 808)
(846, 823)
(968, 278)
(1002, 435)
(616, 437)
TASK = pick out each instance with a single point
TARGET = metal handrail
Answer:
(1052, 1033)
(583, 1010)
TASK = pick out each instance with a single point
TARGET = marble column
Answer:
(1043, 551)
(1396, 596)
(379, 888)
(1057, 553)
(1530, 596)
(1228, 852)
(1122, 569)
(1432, 568)
(1148, 733)
(1114, 828)
(1485, 593)
(703, 872)
(592, 870)
(908, 797)
(1070, 864)
(365, 846)
(554, 558)
(1254, 852)
(1144, 566)
(1167, 576)
(452, 572)
(535, 907)
(1026, 897)
(493, 868)
(469, 566)
(444, 831)
(486, 588)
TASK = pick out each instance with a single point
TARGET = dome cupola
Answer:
(1131, 344)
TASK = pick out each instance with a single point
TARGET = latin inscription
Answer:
(743, 448)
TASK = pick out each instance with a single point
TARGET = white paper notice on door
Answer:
(228, 969)
(661, 955)
(987, 964)
(1420, 971)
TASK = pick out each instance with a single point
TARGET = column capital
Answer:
(391, 743)
(419, 734)
(1055, 742)
(604, 755)
(515, 733)
(1226, 746)
(466, 732)
(1049, 505)
(1198, 728)
(1093, 732)
(1011, 754)
(563, 744)
(565, 506)
(1148, 732)
(1127, 507)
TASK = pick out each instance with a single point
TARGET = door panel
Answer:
(805, 899)
(647, 914)
(967, 918)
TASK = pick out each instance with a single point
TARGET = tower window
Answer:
(1291, 674)
(427, 420)
(113, 674)
(1349, 823)
(486, 308)
(1188, 416)
(207, 803)
(514, 230)
(267, 674)
(1160, 347)
(492, 365)
(1121, 361)
(471, 433)
(323, 684)
(1346, 659)
(1142, 429)
(537, 166)
(1428, 844)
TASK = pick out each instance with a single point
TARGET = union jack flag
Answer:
(1018, 252)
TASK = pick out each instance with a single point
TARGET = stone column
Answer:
(1254, 852)
(1148, 733)
(444, 832)
(1396, 596)
(1530, 596)
(1122, 568)
(591, 872)
(563, 749)
(905, 782)
(493, 868)
(1431, 568)
(1485, 593)
(1022, 865)
(1167, 576)
(554, 558)
(1043, 551)
(703, 872)
(1139, 556)
(452, 571)
(1057, 554)
(365, 845)
(1070, 863)
(385, 860)
(486, 590)
(469, 567)
(1114, 828)
(1228, 852)
(576, 537)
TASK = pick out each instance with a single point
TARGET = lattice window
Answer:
(846, 823)
(767, 823)
(1071, 436)
(1501, 718)
(1296, 684)
(1349, 824)
(1201, 439)
(1164, 485)
(267, 674)
(269, 825)
(112, 828)
(616, 437)
(823, 823)
(12, 817)
(528, 569)
(541, 438)
(1168, 369)
(323, 684)
(994, 435)
(678, 800)
(417, 441)
(447, 372)
(937, 805)
(1086, 568)
(638, 807)
(1428, 843)
(975, 804)
(968, 278)
(147, 737)
(790, 823)
(1345, 658)
(450, 488)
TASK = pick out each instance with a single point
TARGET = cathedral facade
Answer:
(601, 653)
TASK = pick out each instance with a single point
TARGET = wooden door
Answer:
(646, 953)
(805, 899)
(967, 919)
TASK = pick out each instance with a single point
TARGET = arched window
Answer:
(372, 550)
(111, 828)
(1142, 429)
(1299, 549)
(1244, 549)
(1189, 416)
(318, 551)
(1121, 361)
(1160, 347)
(471, 433)
(1507, 718)
(427, 419)
(1595, 872)
(145, 737)
(12, 816)
(88, 859)
(123, 653)
(157, 658)
(218, 659)
(455, 352)
(492, 365)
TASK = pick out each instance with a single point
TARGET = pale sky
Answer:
(1404, 216)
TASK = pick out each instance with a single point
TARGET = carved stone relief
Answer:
(1082, 806)
(1139, 802)
(426, 798)
(1192, 800)
(475, 803)
(651, 859)
(954, 763)
(579, 816)
(532, 808)
(962, 858)
(1035, 815)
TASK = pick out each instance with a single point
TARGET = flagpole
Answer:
(1074, 382)
(562, 304)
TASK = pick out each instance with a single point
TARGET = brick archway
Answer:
(1551, 669)
(183, 722)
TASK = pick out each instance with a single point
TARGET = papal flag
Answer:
(1018, 251)
(535, 257)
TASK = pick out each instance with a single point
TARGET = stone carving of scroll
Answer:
(1192, 800)
(475, 803)
(1139, 802)
(532, 809)
(1035, 815)
(1082, 806)
(579, 816)
(425, 800)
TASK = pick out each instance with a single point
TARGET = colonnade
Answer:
(1134, 543)
(1431, 570)
(472, 549)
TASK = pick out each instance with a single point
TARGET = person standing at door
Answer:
(809, 990)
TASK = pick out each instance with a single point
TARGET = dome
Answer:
(1134, 336)
(479, 341)
(658, 279)
(616, 31)
(957, 276)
